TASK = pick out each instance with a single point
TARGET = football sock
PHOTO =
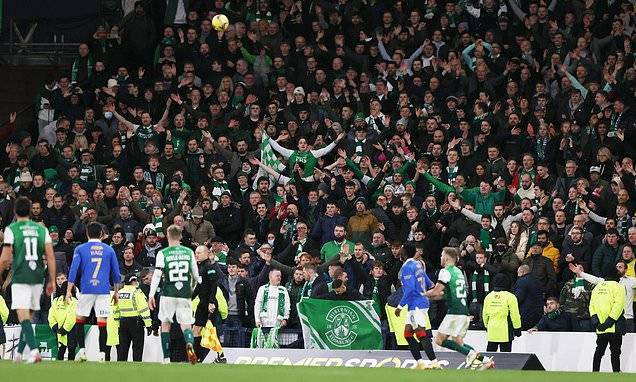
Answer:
(449, 344)
(103, 337)
(21, 343)
(165, 344)
(29, 336)
(187, 336)
(79, 333)
(427, 345)
(197, 347)
(470, 348)
(414, 347)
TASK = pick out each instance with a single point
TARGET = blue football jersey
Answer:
(415, 282)
(96, 265)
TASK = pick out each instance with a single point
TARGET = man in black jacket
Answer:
(542, 268)
(555, 320)
(226, 220)
(377, 287)
(315, 284)
(339, 291)
(207, 307)
(529, 293)
(300, 242)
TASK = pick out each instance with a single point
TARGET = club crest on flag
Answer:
(342, 326)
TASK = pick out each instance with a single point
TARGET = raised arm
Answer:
(326, 150)
(119, 117)
(286, 153)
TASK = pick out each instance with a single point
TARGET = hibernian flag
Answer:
(340, 325)
(268, 158)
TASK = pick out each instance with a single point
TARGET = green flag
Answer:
(47, 341)
(340, 325)
(268, 158)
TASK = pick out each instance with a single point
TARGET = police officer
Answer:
(132, 310)
(607, 305)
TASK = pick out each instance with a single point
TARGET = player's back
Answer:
(414, 283)
(455, 291)
(28, 240)
(177, 263)
(96, 265)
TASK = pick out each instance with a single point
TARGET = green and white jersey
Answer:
(180, 271)
(27, 239)
(455, 291)
(307, 158)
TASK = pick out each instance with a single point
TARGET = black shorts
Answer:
(201, 315)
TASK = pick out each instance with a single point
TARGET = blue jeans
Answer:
(233, 333)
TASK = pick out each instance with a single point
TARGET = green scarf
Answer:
(484, 239)
(451, 174)
(281, 302)
(473, 281)
(221, 257)
(306, 288)
(375, 296)
(541, 144)
(578, 287)
(158, 223)
(219, 187)
(554, 315)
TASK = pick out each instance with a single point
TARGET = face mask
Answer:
(270, 242)
(108, 115)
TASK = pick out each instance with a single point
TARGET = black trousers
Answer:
(130, 330)
(504, 347)
(615, 342)
(71, 344)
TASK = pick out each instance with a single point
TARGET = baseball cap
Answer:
(197, 212)
(595, 169)
(130, 278)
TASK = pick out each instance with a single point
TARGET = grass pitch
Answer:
(51, 371)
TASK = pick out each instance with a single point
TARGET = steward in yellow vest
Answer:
(62, 322)
(607, 305)
(134, 315)
(501, 315)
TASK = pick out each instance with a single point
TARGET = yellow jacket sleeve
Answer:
(53, 312)
(195, 304)
(142, 308)
(618, 305)
(513, 307)
(485, 312)
(222, 304)
(4, 311)
(69, 316)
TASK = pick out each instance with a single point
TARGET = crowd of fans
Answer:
(333, 132)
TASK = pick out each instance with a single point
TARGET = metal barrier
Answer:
(287, 338)
(240, 337)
